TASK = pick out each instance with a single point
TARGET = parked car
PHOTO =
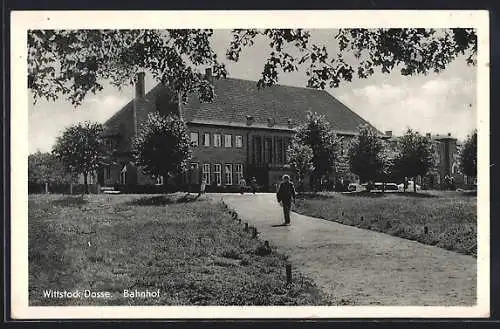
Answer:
(409, 188)
(354, 187)
(389, 187)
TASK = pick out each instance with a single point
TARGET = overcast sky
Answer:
(434, 103)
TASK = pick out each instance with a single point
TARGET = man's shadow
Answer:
(279, 225)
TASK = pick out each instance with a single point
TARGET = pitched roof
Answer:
(237, 98)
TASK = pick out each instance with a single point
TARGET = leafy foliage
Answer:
(75, 62)
(81, 148)
(300, 157)
(365, 155)
(468, 156)
(413, 51)
(162, 147)
(47, 168)
(317, 134)
(415, 157)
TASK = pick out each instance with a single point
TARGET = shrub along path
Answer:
(359, 266)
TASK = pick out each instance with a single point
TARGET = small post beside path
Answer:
(288, 273)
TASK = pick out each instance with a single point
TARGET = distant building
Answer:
(244, 132)
(446, 168)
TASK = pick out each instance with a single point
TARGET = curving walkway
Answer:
(361, 267)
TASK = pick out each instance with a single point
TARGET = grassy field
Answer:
(444, 219)
(191, 250)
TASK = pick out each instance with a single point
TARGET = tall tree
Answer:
(73, 63)
(300, 157)
(81, 149)
(468, 156)
(163, 146)
(365, 154)
(46, 168)
(318, 135)
(415, 156)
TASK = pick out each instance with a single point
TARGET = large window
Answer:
(268, 147)
(206, 173)
(194, 138)
(238, 141)
(238, 172)
(228, 140)
(228, 174)
(123, 175)
(159, 180)
(257, 149)
(206, 139)
(218, 174)
(90, 179)
(217, 140)
(108, 142)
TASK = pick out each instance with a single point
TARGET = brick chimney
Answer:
(249, 120)
(289, 123)
(140, 94)
(388, 133)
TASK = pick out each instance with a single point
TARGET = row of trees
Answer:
(316, 151)
(162, 148)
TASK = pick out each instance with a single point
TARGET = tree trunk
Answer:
(414, 184)
(71, 188)
(85, 185)
(46, 188)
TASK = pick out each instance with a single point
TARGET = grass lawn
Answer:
(444, 219)
(191, 250)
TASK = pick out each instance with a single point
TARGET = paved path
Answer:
(361, 266)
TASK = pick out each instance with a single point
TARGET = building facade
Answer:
(243, 133)
(445, 174)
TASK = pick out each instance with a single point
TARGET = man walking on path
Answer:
(285, 195)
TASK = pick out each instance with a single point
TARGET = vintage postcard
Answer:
(249, 164)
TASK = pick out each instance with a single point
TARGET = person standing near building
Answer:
(243, 185)
(203, 186)
(286, 195)
(253, 183)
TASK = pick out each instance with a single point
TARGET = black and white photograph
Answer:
(250, 165)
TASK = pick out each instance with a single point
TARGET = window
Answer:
(194, 139)
(238, 141)
(123, 175)
(227, 140)
(238, 171)
(159, 180)
(107, 172)
(108, 142)
(90, 178)
(218, 174)
(206, 173)
(228, 174)
(268, 147)
(217, 140)
(206, 139)
(257, 149)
